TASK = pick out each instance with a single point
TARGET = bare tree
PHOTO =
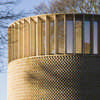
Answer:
(68, 6)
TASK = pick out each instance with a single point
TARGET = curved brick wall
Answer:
(44, 78)
(76, 77)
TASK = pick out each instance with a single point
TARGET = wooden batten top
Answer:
(51, 16)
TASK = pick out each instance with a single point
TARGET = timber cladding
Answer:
(53, 34)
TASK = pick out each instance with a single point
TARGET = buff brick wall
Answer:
(54, 78)
(43, 78)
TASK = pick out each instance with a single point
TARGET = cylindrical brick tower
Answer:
(54, 57)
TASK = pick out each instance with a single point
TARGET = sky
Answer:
(26, 5)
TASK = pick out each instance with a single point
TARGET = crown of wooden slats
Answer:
(53, 34)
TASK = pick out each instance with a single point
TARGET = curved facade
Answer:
(49, 55)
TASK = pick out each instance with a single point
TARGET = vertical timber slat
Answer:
(65, 41)
(16, 41)
(9, 44)
(74, 39)
(32, 37)
(38, 37)
(21, 40)
(47, 35)
(55, 34)
(26, 38)
(83, 19)
(99, 36)
(12, 42)
(91, 35)
(29, 38)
